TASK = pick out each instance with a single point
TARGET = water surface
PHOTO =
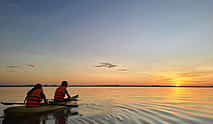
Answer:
(148, 105)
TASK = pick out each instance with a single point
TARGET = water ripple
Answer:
(122, 106)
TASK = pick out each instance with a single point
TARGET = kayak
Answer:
(23, 111)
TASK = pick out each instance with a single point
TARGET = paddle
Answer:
(12, 103)
(15, 103)
(74, 98)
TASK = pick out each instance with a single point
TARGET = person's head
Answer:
(64, 83)
(37, 86)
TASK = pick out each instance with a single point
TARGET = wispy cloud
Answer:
(163, 79)
(31, 65)
(119, 68)
(198, 81)
(13, 66)
(21, 66)
(196, 73)
(106, 65)
(122, 70)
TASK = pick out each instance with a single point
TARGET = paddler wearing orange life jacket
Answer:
(35, 96)
(61, 92)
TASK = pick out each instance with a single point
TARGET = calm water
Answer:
(124, 106)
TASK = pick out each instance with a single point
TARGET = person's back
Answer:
(61, 92)
(35, 96)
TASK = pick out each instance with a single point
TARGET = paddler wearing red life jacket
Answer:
(35, 96)
(61, 92)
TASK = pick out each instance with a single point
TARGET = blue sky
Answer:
(141, 36)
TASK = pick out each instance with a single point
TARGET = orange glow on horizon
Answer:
(110, 77)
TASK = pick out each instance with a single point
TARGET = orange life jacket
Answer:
(60, 94)
(34, 99)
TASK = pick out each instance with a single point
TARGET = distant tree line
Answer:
(47, 85)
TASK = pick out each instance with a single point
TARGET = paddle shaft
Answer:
(10, 103)
(74, 98)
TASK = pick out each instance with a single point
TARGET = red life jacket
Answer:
(60, 94)
(34, 99)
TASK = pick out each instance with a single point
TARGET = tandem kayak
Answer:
(23, 111)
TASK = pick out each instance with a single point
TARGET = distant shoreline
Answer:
(107, 86)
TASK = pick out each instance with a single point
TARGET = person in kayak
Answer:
(35, 96)
(61, 92)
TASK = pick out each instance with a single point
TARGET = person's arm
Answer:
(44, 97)
(25, 99)
(66, 92)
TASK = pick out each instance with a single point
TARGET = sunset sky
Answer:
(142, 42)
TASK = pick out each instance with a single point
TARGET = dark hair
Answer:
(64, 83)
(37, 86)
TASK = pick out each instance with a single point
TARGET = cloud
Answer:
(26, 66)
(13, 66)
(163, 79)
(31, 65)
(123, 70)
(198, 81)
(196, 73)
(106, 65)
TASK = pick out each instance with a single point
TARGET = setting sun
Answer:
(178, 83)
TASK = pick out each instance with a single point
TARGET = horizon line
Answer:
(54, 85)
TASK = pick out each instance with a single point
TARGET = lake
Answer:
(123, 105)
